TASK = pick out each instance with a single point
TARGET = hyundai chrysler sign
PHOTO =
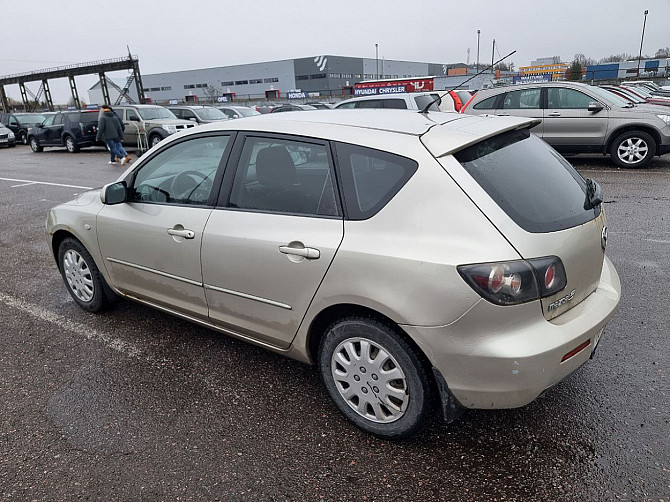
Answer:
(389, 89)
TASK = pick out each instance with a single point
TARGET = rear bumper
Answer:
(505, 357)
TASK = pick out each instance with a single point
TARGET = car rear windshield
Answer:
(530, 181)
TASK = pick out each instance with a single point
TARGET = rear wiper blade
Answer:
(594, 194)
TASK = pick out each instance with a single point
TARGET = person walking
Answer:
(110, 131)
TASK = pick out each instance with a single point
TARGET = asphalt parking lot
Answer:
(134, 404)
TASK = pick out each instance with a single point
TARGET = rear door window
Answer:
(370, 178)
(522, 99)
(396, 104)
(532, 183)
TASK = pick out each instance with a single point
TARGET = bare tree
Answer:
(663, 53)
(211, 93)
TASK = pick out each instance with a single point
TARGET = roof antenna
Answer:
(439, 98)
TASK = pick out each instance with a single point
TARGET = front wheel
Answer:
(35, 145)
(376, 379)
(82, 277)
(71, 144)
(154, 140)
(23, 137)
(633, 149)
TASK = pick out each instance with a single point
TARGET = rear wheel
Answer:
(375, 377)
(35, 145)
(82, 277)
(633, 149)
(71, 144)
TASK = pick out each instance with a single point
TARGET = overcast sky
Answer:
(169, 35)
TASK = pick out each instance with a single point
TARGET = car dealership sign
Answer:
(370, 91)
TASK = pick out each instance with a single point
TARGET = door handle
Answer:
(554, 114)
(309, 253)
(186, 234)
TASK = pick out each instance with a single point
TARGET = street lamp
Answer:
(477, 50)
(377, 59)
(641, 40)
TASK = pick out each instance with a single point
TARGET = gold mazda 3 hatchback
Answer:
(424, 261)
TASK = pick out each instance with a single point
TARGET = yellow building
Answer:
(556, 70)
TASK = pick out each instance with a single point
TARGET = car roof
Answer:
(449, 131)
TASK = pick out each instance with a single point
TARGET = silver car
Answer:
(422, 261)
(580, 118)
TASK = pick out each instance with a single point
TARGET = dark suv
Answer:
(71, 129)
(19, 123)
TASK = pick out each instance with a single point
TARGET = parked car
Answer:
(150, 123)
(198, 113)
(73, 130)
(19, 123)
(421, 261)
(320, 106)
(646, 94)
(636, 96)
(580, 118)
(7, 137)
(397, 101)
(290, 107)
(237, 112)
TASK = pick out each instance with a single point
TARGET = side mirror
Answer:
(594, 107)
(193, 119)
(134, 119)
(114, 193)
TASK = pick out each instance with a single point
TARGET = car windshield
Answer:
(610, 98)
(531, 182)
(31, 118)
(211, 114)
(155, 113)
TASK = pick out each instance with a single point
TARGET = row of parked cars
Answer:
(628, 121)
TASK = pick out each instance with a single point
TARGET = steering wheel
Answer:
(186, 183)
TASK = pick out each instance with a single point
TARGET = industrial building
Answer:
(648, 68)
(310, 77)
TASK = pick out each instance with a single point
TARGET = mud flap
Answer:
(451, 408)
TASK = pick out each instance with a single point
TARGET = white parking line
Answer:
(62, 322)
(33, 182)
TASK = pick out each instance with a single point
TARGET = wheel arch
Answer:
(630, 128)
(327, 316)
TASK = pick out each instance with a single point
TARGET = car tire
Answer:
(633, 149)
(35, 145)
(359, 359)
(82, 278)
(154, 140)
(23, 137)
(71, 144)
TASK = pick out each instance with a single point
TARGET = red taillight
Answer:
(549, 276)
(458, 104)
(576, 350)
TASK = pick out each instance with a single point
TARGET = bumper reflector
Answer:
(576, 350)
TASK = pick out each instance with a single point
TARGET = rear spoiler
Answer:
(442, 141)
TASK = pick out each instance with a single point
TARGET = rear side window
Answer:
(532, 183)
(370, 178)
(487, 104)
(369, 103)
(397, 104)
(522, 100)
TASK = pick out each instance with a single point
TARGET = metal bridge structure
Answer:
(131, 63)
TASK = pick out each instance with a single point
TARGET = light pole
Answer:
(477, 50)
(639, 58)
(377, 59)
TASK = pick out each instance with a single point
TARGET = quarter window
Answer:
(181, 174)
(286, 177)
(371, 178)
(487, 104)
